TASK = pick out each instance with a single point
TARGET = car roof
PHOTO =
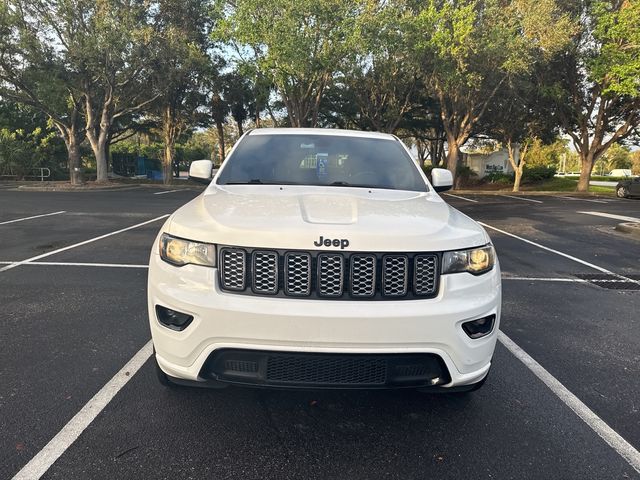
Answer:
(321, 131)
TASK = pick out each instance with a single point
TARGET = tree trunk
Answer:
(72, 140)
(517, 178)
(240, 129)
(100, 151)
(75, 162)
(453, 158)
(169, 134)
(167, 164)
(98, 133)
(517, 165)
(220, 128)
(587, 160)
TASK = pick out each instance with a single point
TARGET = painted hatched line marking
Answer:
(79, 244)
(31, 218)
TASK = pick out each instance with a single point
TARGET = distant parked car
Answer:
(628, 188)
(620, 172)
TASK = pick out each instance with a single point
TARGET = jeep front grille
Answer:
(330, 275)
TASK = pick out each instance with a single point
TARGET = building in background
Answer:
(485, 163)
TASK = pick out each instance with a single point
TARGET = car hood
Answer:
(295, 217)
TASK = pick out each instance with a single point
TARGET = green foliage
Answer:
(537, 174)
(21, 152)
(297, 45)
(499, 178)
(550, 155)
(614, 58)
(617, 156)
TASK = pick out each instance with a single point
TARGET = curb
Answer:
(631, 228)
(69, 188)
(533, 193)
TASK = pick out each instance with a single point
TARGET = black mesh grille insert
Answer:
(326, 370)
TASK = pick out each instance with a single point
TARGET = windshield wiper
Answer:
(347, 184)
(257, 181)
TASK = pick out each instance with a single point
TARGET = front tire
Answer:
(622, 192)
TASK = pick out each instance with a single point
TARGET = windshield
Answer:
(329, 160)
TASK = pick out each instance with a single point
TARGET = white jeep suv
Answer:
(322, 258)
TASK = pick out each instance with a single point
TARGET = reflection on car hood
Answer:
(294, 217)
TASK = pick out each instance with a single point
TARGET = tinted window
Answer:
(322, 160)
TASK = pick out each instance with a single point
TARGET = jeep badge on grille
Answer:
(328, 242)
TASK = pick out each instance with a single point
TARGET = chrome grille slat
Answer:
(264, 269)
(297, 274)
(363, 275)
(425, 274)
(233, 268)
(330, 275)
(394, 275)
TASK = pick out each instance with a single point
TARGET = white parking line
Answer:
(30, 218)
(522, 198)
(583, 199)
(76, 264)
(53, 252)
(46, 457)
(609, 435)
(168, 191)
(611, 215)
(562, 254)
(570, 257)
(550, 279)
(461, 198)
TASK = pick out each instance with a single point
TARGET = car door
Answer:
(634, 187)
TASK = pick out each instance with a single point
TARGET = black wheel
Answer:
(622, 192)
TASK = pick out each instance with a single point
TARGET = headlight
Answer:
(179, 252)
(475, 261)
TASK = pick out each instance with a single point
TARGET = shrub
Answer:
(499, 178)
(537, 174)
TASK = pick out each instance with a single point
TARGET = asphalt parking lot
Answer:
(79, 397)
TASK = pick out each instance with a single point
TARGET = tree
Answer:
(108, 44)
(298, 46)
(380, 79)
(468, 49)
(33, 73)
(89, 56)
(618, 156)
(595, 83)
(219, 112)
(239, 96)
(182, 70)
(520, 118)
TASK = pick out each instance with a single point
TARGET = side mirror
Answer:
(200, 171)
(441, 179)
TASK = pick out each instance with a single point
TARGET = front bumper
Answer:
(264, 324)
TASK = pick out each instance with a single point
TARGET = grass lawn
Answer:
(559, 184)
